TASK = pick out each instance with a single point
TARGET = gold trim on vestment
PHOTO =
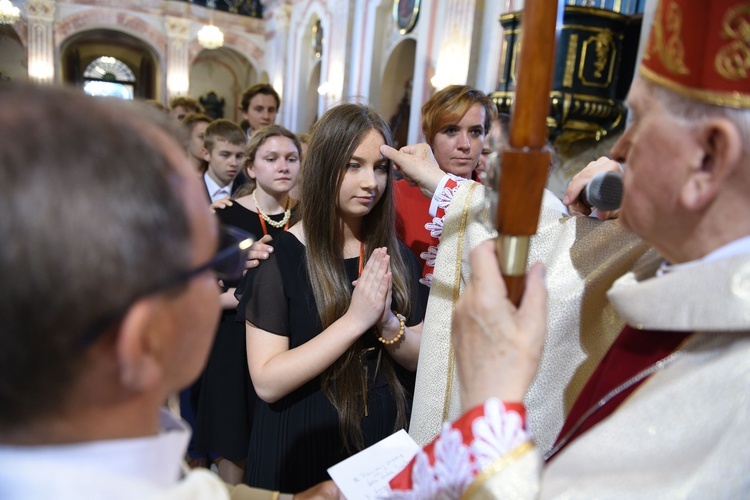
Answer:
(456, 295)
(732, 99)
(496, 466)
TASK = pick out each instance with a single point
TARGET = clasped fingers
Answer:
(371, 291)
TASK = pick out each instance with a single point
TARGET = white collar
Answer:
(155, 460)
(736, 247)
(214, 188)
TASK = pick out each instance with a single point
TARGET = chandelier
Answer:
(8, 13)
(209, 36)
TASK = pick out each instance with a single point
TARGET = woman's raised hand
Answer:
(372, 291)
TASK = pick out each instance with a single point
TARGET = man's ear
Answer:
(138, 344)
(206, 154)
(721, 153)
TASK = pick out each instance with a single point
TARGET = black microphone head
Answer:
(604, 192)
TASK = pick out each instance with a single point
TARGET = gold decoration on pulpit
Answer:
(595, 61)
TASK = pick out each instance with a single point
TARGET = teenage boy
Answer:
(224, 150)
(259, 106)
(196, 124)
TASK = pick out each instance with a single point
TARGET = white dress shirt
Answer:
(146, 467)
(215, 191)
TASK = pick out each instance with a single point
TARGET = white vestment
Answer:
(581, 322)
(682, 433)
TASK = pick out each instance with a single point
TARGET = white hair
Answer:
(695, 112)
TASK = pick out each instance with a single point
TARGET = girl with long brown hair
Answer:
(328, 359)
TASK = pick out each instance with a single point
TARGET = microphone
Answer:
(603, 192)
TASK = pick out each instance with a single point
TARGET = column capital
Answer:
(282, 14)
(40, 10)
(177, 27)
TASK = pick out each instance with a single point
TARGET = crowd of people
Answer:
(309, 298)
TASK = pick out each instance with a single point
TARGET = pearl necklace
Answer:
(282, 222)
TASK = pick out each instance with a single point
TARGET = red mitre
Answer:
(701, 50)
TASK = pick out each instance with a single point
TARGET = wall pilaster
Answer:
(40, 15)
(178, 57)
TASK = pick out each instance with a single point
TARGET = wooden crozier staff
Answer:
(525, 163)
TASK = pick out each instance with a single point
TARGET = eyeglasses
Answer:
(229, 261)
(228, 264)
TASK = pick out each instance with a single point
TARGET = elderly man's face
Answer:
(658, 150)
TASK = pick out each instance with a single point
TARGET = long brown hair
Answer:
(335, 137)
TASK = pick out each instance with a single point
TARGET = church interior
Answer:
(390, 54)
(394, 56)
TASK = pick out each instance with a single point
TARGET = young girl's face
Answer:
(276, 165)
(364, 179)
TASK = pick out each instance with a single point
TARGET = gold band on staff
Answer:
(512, 252)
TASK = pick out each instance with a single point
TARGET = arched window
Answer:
(107, 76)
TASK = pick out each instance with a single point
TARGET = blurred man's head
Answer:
(196, 124)
(259, 105)
(180, 107)
(102, 214)
(496, 140)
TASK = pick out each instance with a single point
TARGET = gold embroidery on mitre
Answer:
(667, 39)
(656, 34)
(733, 59)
